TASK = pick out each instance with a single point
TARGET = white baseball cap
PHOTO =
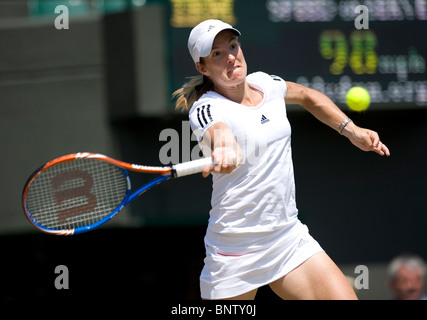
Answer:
(202, 37)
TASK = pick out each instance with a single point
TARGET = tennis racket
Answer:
(78, 192)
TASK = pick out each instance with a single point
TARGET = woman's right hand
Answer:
(226, 153)
(224, 159)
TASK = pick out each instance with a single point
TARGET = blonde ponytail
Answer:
(191, 91)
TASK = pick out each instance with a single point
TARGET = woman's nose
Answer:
(231, 58)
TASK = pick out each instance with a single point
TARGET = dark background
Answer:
(103, 86)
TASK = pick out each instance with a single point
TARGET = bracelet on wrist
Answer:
(343, 124)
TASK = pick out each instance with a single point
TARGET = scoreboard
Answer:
(316, 43)
(312, 42)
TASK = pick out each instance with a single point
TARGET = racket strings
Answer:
(77, 193)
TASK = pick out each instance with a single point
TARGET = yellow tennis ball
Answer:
(358, 99)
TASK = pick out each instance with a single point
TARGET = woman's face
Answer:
(225, 65)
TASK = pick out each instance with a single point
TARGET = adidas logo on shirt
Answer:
(264, 119)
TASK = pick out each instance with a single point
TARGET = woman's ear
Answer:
(202, 69)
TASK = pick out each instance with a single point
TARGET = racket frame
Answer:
(166, 173)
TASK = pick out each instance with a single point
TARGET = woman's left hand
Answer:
(365, 139)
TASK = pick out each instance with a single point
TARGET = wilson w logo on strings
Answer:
(73, 194)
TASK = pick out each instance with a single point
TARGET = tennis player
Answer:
(254, 236)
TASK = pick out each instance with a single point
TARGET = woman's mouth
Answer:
(233, 69)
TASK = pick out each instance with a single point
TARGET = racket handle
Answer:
(191, 167)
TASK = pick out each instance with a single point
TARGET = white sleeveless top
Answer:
(258, 196)
(254, 236)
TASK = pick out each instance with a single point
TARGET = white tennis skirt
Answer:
(230, 271)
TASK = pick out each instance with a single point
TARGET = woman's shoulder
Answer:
(272, 85)
(208, 98)
(262, 76)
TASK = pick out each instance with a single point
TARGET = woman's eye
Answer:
(234, 45)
